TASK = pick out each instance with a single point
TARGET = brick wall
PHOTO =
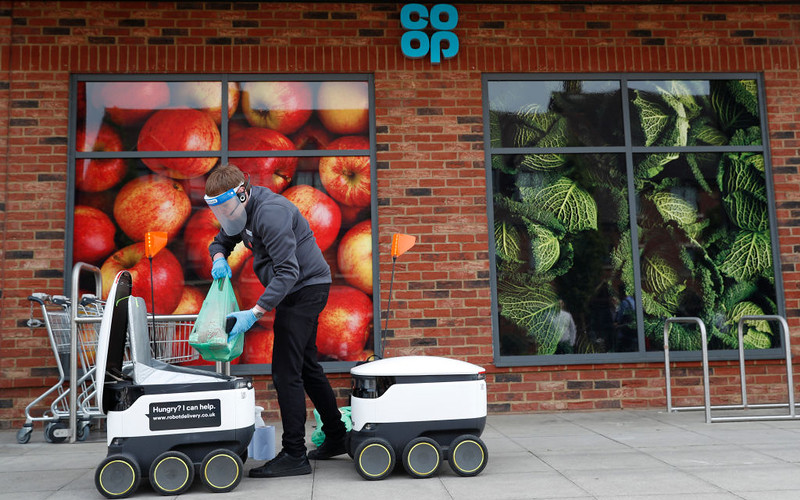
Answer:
(431, 177)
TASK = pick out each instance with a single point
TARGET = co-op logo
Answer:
(416, 44)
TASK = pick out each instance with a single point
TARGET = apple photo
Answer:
(345, 323)
(278, 105)
(168, 281)
(119, 200)
(273, 172)
(99, 174)
(347, 178)
(128, 104)
(151, 203)
(343, 107)
(204, 96)
(179, 130)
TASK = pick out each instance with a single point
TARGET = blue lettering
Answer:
(414, 8)
(436, 45)
(407, 47)
(436, 17)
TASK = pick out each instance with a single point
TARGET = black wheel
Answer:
(83, 431)
(50, 432)
(221, 471)
(422, 457)
(117, 476)
(374, 459)
(171, 473)
(467, 455)
(24, 435)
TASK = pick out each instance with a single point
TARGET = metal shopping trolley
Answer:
(56, 318)
(169, 343)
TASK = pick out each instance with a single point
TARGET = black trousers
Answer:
(296, 371)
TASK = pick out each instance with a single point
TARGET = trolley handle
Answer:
(39, 297)
(60, 300)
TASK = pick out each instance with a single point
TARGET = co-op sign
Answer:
(415, 43)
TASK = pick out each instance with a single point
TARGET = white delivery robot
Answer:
(164, 422)
(423, 409)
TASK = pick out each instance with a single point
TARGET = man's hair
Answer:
(223, 178)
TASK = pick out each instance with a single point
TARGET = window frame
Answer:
(628, 150)
(224, 155)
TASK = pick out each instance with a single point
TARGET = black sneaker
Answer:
(329, 449)
(283, 465)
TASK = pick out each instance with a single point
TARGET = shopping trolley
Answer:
(169, 342)
(56, 318)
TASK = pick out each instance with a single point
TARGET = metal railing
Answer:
(707, 406)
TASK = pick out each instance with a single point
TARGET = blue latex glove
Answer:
(244, 321)
(221, 269)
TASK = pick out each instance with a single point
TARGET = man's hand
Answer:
(244, 321)
(221, 269)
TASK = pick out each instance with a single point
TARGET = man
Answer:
(297, 280)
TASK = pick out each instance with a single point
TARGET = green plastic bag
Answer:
(318, 437)
(208, 334)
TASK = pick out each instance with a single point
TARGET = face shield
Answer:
(228, 208)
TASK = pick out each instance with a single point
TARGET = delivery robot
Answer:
(422, 409)
(164, 422)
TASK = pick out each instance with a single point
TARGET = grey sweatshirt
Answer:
(285, 254)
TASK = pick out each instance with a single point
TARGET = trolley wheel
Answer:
(171, 473)
(50, 432)
(467, 455)
(24, 434)
(422, 457)
(83, 431)
(374, 459)
(117, 476)
(221, 471)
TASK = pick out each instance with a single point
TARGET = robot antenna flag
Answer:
(154, 242)
(401, 243)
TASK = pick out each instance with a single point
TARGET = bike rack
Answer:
(707, 406)
(704, 340)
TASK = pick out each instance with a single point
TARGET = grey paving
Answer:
(619, 455)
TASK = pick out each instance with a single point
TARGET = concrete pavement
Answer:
(641, 454)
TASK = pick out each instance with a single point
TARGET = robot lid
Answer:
(416, 366)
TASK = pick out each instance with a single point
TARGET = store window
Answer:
(617, 202)
(143, 146)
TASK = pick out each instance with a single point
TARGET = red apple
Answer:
(274, 173)
(205, 96)
(343, 107)
(330, 258)
(191, 301)
(321, 212)
(312, 135)
(179, 130)
(151, 203)
(345, 323)
(247, 286)
(347, 178)
(92, 235)
(280, 106)
(236, 126)
(198, 234)
(167, 276)
(355, 256)
(258, 345)
(130, 103)
(99, 174)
